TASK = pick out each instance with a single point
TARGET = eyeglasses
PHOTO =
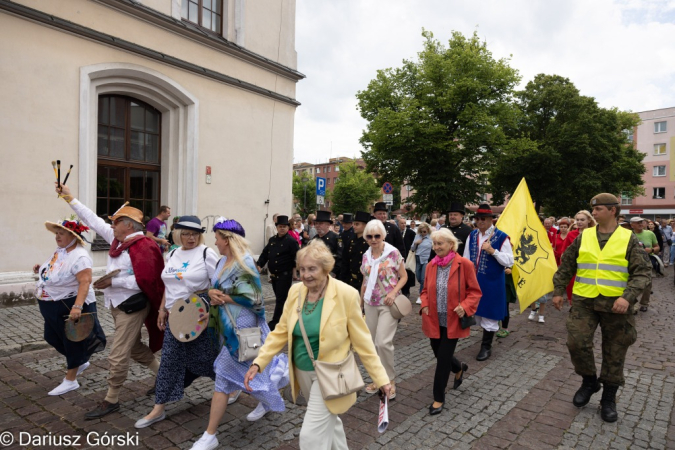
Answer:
(373, 236)
(189, 234)
(479, 219)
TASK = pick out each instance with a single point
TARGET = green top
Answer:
(648, 238)
(312, 323)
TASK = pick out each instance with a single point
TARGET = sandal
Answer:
(372, 388)
(502, 333)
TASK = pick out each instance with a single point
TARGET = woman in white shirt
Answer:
(64, 290)
(188, 270)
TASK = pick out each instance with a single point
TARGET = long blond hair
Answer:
(239, 247)
(591, 220)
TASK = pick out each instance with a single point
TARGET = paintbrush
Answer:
(55, 173)
(65, 180)
(58, 176)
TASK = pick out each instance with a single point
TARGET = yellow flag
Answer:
(534, 261)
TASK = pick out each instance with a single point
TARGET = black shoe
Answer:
(486, 346)
(608, 403)
(589, 386)
(643, 308)
(458, 381)
(433, 411)
(151, 391)
(102, 409)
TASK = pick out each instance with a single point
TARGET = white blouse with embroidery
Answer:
(57, 277)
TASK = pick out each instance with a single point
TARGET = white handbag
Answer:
(249, 339)
(410, 262)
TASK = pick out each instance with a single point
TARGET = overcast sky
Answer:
(622, 52)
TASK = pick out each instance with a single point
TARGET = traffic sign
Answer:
(387, 188)
(320, 199)
(320, 186)
(388, 199)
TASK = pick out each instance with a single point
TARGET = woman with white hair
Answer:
(384, 276)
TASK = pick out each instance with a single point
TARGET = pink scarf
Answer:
(443, 261)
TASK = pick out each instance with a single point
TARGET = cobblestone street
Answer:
(518, 398)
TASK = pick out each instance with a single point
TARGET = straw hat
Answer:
(73, 226)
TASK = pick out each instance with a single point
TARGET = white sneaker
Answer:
(541, 319)
(83, 367)
(257, 413)
(65, 386)
(533, 315)
(206, 442)
(233, 397)
(419, 301)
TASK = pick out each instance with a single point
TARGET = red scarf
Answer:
(116, 249)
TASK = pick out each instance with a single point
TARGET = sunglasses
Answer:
(480, 219)
(373, 236)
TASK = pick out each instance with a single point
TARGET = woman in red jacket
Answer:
(451, 292)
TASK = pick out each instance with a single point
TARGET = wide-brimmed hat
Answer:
(134, 214)
(74, 226)
(282, 220)
(457, 207)
(484, 210)
(190, 223)
(380, 206)
(323, 216)
(362, 216)
(347, 218)
(230, 225)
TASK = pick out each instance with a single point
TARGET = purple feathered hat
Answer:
(230, 225)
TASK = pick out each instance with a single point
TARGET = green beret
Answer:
(604, 200)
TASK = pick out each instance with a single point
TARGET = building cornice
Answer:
(112, 41)
(197, 33)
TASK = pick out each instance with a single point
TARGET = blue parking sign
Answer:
(320, 186)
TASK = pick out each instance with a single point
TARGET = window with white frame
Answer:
(337, 168)
(626, 198)
(659, 192)
(659, 171)
(660, 127)
(328, 169)
(659, 149)
(318, 170)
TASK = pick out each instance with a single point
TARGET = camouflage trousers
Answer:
(618, 333)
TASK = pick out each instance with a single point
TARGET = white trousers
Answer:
(487, 324)
(321, 429)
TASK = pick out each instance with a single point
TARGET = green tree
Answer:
(571, 149)
(440, 122)
(355, 190)
(304, 193)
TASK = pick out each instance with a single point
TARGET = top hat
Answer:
(282, 220)
(323, 216)
(484, 210)
(347, 218)
(380, 206)
(362, 216)
(457, 207)
(190, 223)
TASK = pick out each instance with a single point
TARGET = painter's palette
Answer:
(189, 318)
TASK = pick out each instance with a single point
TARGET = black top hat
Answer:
(362, 216)
(190, 223)
(323, 216)
(380, 206)
(484, 210)
(457, 207)
(347, 218)
(282, 220)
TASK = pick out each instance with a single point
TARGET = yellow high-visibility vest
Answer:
(602, 271)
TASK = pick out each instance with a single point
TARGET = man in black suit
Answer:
(393, 234)
(408, 237)
(352, 253)
(329, 237)
(457, 226)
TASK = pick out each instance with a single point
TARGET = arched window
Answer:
(129, 154)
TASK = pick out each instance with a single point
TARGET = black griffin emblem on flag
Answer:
(526, 248)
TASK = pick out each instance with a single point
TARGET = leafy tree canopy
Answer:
(355, 190)
(304, 193)
(441, 122)
(569, 149)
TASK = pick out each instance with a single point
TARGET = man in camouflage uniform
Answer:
(612, 271)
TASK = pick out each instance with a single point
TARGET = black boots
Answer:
(590, 386)
(608, 402)
(486, 346)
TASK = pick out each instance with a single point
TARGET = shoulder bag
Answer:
(410, 263)
(401, 306)
(249, 339)
(336, 379)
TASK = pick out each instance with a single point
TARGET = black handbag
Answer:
(134, 303)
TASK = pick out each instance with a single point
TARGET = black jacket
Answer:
(279, 253)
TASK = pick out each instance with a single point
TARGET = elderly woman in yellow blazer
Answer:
(331, 314)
